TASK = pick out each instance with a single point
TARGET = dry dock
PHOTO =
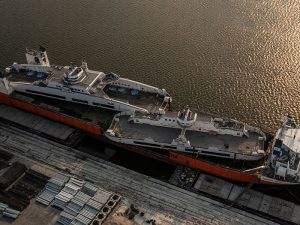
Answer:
(165, 202)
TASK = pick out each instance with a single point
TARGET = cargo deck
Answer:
(203, 140)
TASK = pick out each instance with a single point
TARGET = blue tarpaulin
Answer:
(135, 92)
(113, 89)
(30, 73)
(40, 75)
(122, 90)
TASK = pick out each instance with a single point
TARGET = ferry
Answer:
(183, 138)
(283, 162)
(186, 132)
(81, 85)
(281, 167)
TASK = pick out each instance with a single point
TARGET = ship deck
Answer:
(22, 76)
(145, 100)
(148, 101)
(203, 140)
(58, 74)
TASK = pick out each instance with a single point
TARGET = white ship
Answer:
(81, 85)
(189, 133)
(283, 163)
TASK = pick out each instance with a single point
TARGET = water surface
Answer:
(234, 58)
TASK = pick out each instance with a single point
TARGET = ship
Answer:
(280, 168)
(189, 133)
(283, 162)
(97, 121)
(81, 85)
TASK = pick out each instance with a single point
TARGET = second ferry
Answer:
(189, 133)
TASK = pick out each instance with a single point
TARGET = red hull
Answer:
(71, 121)
(174, 157)
(217, 170)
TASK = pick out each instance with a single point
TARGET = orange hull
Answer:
(174, 157)
(79, 124)
(218, 170)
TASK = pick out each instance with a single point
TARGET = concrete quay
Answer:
(173, 205)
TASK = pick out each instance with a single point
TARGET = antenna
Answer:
(169, 104)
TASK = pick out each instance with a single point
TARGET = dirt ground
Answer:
(119, 220)
(34, 214)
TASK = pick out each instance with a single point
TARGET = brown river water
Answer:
(233, 58)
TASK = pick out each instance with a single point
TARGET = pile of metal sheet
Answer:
(81, 201)
(99, 199)
(76, 182)
(88, 212)
(83, 208)
(67, 193)
(77, 203)
(102, 196)
(65, 218)
(80, 219)
(89, 189)
(8, 212)
(52, 188)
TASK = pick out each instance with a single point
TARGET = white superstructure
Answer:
(188, 132)
(81, 85)
(284, 160)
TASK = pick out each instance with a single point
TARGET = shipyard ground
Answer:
(165, 202)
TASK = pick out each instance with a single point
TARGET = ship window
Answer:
(170, 120)
(165, 119)
(108, 106)
(276, 152)
(214, 153)
(45, 94)
(78, 100)
(143, 143)
(173, 120)
(103, 105)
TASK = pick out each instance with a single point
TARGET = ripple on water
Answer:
(237, 58)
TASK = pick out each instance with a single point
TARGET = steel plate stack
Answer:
(52, 188)
(66, 194)
(88, 212)
(65, 218)
(89, 189)
(8, 212)
(77, 203)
